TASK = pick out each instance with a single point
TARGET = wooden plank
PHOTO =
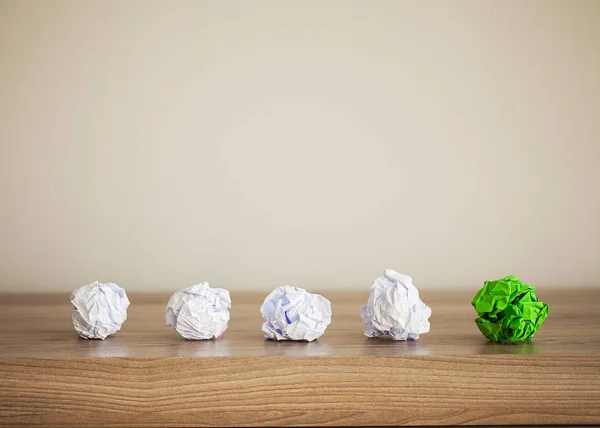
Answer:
(441, 390)
(147, 375)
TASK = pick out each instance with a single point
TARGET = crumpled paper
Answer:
(395, 309)
(99, 310)
(508, 310)
(199, 312)
(292, 313)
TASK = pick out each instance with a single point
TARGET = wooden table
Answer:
(147, 375)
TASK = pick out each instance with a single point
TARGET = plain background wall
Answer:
(160, 143)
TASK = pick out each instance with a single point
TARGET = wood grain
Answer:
(147, 375)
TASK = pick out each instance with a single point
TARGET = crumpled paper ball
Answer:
(99, 310)
(199, 312)
(508, 310)
(292, 313)
(395, 309)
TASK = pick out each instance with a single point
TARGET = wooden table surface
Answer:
(147, 375)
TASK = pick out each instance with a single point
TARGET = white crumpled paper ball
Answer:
(394, 308)
(99, 310)
(199, 312)
(292, 313)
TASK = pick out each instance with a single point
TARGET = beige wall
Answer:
(157, 144)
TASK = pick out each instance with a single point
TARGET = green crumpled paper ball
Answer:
(508, 310)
